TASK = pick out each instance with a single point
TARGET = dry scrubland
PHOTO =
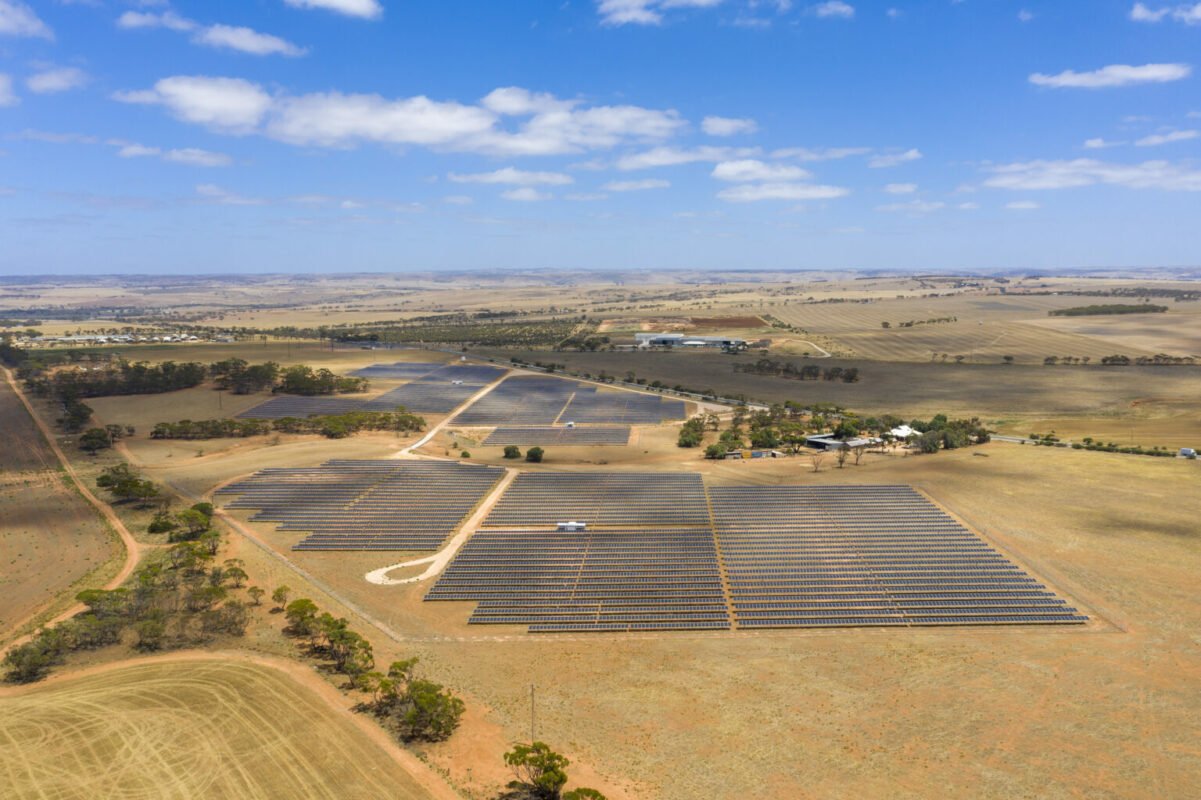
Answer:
(50, 538)
(189, 728)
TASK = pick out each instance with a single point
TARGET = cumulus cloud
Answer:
(752, 170)
(886, 160)
(8, 97)
(834, 9)
(228, 37)
(364, 9)
(246, 40)
(643, 12)
(525, 194)
(1043, 175)
(1189, 14)
(1022, 205)
(728, 126)
(18, 19)
(1099, 144)
(60, 79)
(754, 192)
(1113, 75)
(530, 125)
(229, 105)
(1156, 139)
(636, 186)
(515, 177)
(900, 188)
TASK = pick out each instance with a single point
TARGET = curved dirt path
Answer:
(133, 548)
(295, 671)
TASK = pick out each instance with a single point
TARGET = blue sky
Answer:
(377, 135)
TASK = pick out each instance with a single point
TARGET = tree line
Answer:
(805, 372)
(1107, 308)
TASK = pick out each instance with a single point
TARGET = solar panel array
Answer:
(301, 407)
(367, 505)
(544, 400)
(548, 434)
(647, 560)
(865, 555)
(622, 407)
(652, 500)
(433, 389)
(400, 371)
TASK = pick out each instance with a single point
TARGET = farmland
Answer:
(192, 727)
(50, 538)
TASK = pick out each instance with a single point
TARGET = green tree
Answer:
(534, 455)
(94, 440)
(542, 774)
(256, 595)
(512, 451)
(302, 617)
(280, 595)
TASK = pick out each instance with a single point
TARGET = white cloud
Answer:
(636, 186)
(8, 97)
(1099, 144)
(672, 156)
(1188, 14)
(191, 156)
(913, 207)
(834, 9)
(365, 9)
(334, 119)
(893, 13)
(968, 206)
(1193, 115)
(586, 197)
(1156, 139)
(1113, 75)
(515, 177)
(728, 126)
(18, 19)
(231, 105)
(194, 156)
(1040, 175)
(1023, 205)
(751, 170)
(525, 194)
(1025, 16)
(133, 20)
(246, 40)
(458, 200)
(887, 160)
(60, 79)
(901, 188)
(753, 192)
(819, 154)
(516, 101)
(216, 194)
(643, 12)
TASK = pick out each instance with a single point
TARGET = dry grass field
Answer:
(190, 728)
(50, 538)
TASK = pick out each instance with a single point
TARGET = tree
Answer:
(432, 713)
(94, 440)
(542, 774)
(858, 453)
(816, 458)
(512, 451)
(192, 523)
(237, 576)
(841, 455)
(280, 595)
(256, 595)
(302, 616)
(534, 455)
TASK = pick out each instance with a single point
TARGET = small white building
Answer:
(572, 526)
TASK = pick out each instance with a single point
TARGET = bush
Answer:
(534, 455)
(512, 451)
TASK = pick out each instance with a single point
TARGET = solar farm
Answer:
(367, 505)
(431, 389)
(540, 400)
(664, 552)
(560, 435)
